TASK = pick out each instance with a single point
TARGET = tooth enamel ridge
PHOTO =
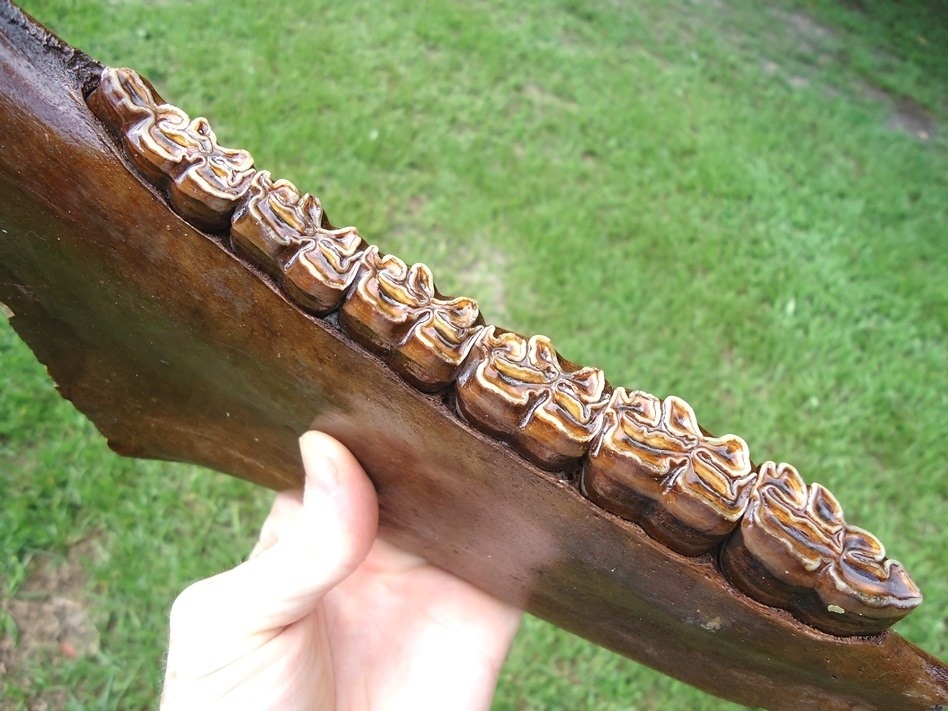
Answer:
(396, 311)
(318, 276)
(174, 153)
(523, 392)
(288, 236)
(652, 464)
(794, 550)
(271, 220)
(646, 460)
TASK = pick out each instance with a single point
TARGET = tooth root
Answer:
(396, 311)
(178, 156)
(651, 464)
(794, 550)
(522, 392)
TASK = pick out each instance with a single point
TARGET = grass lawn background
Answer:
(738, 203)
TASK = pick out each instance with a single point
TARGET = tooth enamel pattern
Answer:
(644, 459)
(523, 392)
(397, 311)
(652, 464)
(174, 153)
(794, 550)
(287, 235)
(271, 220)
(318, 276)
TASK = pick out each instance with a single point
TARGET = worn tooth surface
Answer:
(286, 234)
(271, 221)
(795, 550)
(397, 311)
(204, 180)
(521, 391)
(318, 276)
(652, 464)
(131, 108)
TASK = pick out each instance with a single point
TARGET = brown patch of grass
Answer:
(54, 624)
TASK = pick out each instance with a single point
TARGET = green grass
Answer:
(701, 198)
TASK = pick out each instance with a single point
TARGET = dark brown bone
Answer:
(177, 350)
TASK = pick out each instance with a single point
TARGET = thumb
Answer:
(307, 547)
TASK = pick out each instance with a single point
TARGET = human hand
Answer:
(325, 616)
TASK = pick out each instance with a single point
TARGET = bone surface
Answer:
(652, 464)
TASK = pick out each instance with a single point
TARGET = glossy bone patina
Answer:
(178, 350)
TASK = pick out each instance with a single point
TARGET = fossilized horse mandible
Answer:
(244, 317)
(651, 463)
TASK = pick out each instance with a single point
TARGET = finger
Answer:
(284, 512)
(318, 543)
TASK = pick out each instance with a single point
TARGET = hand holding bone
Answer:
(325, 616)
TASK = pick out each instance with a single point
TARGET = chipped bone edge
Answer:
(521, 431)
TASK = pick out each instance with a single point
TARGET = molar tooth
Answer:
(287, 235)
(178, 155)
(318, 276)
(397, 311)
(521, 391)
(794, 550)
(652, 464)
(271, 220)
(208, 189)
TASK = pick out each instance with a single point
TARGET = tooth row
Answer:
(646, 460)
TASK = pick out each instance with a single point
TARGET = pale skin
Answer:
(324, 615)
